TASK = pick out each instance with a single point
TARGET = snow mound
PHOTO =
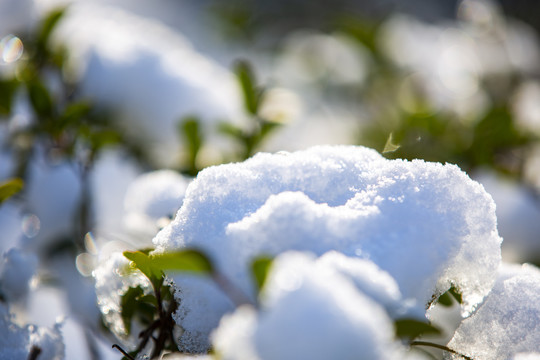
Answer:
(508, 322)
(308, 311)
(427, 225)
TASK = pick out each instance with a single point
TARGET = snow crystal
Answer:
(427, 225)
(508, 322)
(308, 312)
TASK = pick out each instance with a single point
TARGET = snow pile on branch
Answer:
(425, 224)
(310, 311)
(508, 322)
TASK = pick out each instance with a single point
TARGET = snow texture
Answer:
(309, 311)
(508, 322)
(427, 225)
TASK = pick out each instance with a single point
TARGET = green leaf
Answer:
(144, 263)
(260, 269)
(412, 328)
(40, 99)
(9, 188)
(191, 133)
(231, 130)
(246, 77)
(446, 298)
(48, 25)
(7, 94)
(129, 303)
(185, 260)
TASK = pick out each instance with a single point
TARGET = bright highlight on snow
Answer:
(428, 226)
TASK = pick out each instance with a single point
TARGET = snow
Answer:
(130, 64)
(507, 322)
(310, 312)
(427, 225)
(152, 197)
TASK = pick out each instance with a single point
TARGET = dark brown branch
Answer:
(441, 347)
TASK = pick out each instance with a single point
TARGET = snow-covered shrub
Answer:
(429, 226)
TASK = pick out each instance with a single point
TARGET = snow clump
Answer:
(427, 225)
(508, 322)
(343, 321)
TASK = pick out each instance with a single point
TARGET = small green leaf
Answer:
(144, 263)
(247, 81)
(185, 260)
(129, 303)
(231, 130)
(40, 99)
(412, 328)
(446, 298)
(390, 145)
(191, 133)
(48, 25)
(260, 268)
(9, 188)
(7, 94)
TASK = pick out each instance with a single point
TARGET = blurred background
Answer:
(96, 96)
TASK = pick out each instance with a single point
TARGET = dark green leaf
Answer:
(74, 112)
(247, 81)
(129, 303)
(40, 99)
(412, 328)
(7, 94)
(185, 260)
(446, 298)
(260, 268)
(191, 133)
(9, 188)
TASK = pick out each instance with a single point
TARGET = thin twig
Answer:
(116, 346)
(34, 352)
(441, 347)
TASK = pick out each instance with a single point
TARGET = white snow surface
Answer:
(427, 225)
(508, 322)
(309, 311)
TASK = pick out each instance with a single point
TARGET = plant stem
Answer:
(441, 347)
